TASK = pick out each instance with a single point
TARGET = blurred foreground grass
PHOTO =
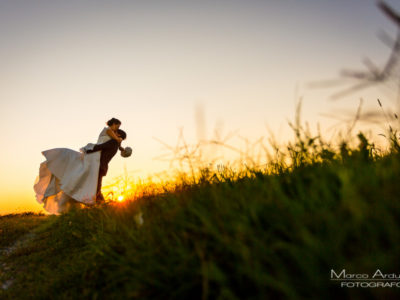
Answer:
(269, 233)
(14, 226)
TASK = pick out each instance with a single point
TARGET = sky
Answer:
(165, 66)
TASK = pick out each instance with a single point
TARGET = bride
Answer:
(69, 178)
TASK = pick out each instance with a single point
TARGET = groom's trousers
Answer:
(99, 183)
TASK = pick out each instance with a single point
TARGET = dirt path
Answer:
(6, 279)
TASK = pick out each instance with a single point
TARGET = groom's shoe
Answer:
(100, 199)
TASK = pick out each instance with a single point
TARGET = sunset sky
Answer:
(69, 66)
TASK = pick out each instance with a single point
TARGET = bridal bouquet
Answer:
(126, 152)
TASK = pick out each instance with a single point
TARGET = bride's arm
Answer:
(113, 135)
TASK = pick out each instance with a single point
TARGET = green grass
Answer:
(260, 234)
(14, 226)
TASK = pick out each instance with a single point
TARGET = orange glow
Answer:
(120, 198)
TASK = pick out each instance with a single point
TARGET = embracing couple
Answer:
(69, 178)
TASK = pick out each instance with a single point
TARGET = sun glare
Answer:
(120, 198)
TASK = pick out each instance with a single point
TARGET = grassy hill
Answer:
(262, 234)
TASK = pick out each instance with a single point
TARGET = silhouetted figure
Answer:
(108, 150)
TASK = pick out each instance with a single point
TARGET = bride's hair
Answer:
(113, 121)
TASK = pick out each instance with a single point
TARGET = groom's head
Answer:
(121, 134)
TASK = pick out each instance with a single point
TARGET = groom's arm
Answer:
(107, 145)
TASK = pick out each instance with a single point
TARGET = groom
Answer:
(108, 150)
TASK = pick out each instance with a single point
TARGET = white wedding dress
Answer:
(68, 178)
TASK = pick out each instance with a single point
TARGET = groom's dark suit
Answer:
(108, 150)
